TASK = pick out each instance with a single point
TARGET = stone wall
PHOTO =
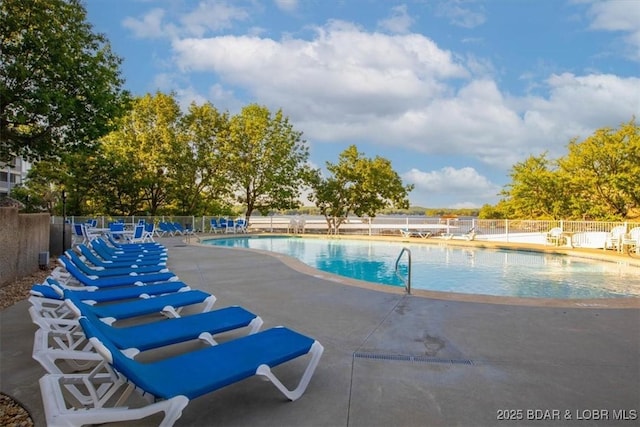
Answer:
(22, 238)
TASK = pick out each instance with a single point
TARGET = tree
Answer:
(139, 153)
(199, 183)
(60, 83)
(266, 160)
(537, 190)
(357, 185)
(603, 171)
(597, 179)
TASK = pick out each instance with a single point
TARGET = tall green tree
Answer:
(60, 83)
(267, 160)
(199, 183)
(140, 152)
(604, 172)
(597, 179)
(358, 185)
(537, 190)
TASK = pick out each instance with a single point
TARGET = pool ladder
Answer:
(407, 281)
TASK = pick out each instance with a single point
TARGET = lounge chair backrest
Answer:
(116, 226)
(138, 232)
(618, 230)
(555, 232)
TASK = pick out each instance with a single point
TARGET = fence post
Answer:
(506, 229)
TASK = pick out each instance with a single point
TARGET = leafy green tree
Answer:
(597, 179)
(359, 186)
(493, 212)
(60, 83)
(603, 172)
(198, 178)
(537, 190)
(267, 159)
(43, 185)
(137, 155)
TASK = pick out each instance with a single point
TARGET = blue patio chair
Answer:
(149, 230)
(79, 236)
(116, 229)
(241, 225)
(214, 226)
(223, 223)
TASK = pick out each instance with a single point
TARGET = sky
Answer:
(453, 93)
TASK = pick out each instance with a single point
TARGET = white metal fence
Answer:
(596, 234)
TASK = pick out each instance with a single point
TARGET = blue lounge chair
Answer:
(63, 339)
(203, 326)
(168, 304)
(100, 271)
(415, 233)
(165, 229)
(110, 253)
(107, 282)
(146, 247)
(97, 260)
(52, 289)
(173, 381)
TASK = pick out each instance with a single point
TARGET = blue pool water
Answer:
(455, 269)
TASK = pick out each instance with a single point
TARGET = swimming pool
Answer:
(456, 269)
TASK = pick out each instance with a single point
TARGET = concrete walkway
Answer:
(392, 359)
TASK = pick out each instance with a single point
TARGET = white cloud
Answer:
(342, 73)
(209, 16)
(212, 16)
(287, 5)
(150, 26)
(461, 13)
(465, 183)
(349, 85)
(400, 21)
(622, 16)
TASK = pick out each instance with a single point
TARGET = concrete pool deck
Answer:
(392, 359)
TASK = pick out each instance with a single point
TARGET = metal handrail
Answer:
(407, 283)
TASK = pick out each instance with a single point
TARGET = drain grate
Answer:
(411, 358)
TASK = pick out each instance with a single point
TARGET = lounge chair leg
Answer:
(59, 414)
(316, 352)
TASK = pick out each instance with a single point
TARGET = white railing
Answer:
(593, 234)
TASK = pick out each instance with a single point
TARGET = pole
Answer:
(64, 220)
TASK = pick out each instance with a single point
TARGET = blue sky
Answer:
(454, 93)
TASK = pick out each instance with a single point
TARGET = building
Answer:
(12, 174)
